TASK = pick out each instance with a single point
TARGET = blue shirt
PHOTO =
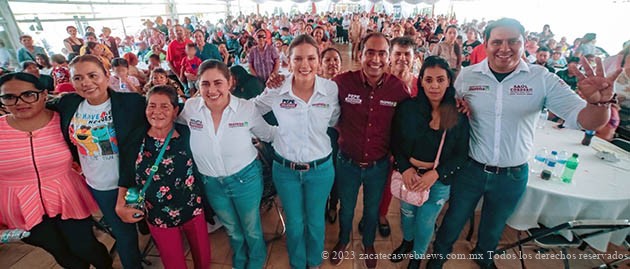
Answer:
(209, 51)
(24, 55)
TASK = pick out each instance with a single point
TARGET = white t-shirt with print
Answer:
(92, 132)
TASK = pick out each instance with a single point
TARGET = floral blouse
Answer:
(174, 196)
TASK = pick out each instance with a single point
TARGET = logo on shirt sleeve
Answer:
(288, 104)
(521, 90)
(353, 99)
(195, 124)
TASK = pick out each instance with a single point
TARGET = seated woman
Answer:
(418, 127)
(222, 127)
(41, 193)
(172, 193)
(303, 173)
(159, 77)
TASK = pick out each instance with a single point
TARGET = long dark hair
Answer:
(448, 109)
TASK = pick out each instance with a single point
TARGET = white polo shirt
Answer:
(229, 149)
(302, 128)
(504, 114)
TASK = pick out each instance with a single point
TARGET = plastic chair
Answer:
(550, 238)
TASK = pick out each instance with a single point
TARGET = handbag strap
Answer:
(155, 166)
(437, 158)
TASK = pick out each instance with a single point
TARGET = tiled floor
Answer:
(22, 256)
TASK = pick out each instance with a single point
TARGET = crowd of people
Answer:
(169, 115)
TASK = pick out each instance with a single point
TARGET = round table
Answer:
(599, 190)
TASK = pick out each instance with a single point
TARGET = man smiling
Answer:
(505, 95)
(367, 98)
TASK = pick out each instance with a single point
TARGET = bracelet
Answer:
(612, 100)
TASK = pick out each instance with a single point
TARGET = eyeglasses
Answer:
(28, 97)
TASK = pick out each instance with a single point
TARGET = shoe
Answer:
(335, 258)
(370, 255)
(436, 263)
(384, 229)
(404, 248)
(414, 264)
(331, 215)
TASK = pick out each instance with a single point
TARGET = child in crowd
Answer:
(61, 74)
(43, 63)
(557, 61)
(159, 76)
(154, 62)
(121, 81)
(188, 74)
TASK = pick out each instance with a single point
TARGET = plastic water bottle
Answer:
(539, 160)
(588, 135)
(563, 156)
(542, 118)
(550, 169)
(12, 235)
(569, 169)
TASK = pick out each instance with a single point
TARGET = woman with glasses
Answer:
(263, 58)
(41, 193)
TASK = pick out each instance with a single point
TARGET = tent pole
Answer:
(258, 9)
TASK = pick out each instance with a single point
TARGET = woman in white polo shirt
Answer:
(221, 129)
(305, 106)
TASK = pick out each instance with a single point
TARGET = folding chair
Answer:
(550, 238)
(268, 201)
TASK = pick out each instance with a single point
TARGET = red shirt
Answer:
(366, 114)
(190, 65)
(478, 54)
(60, 74)
(176, 52)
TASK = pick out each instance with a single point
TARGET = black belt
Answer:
(495, 169)
(299, 166)
(363, 165)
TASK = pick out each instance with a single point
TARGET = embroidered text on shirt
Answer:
(322, 105)
(482, 88)
(521, 90)
(388, 103)
(237, 124)
(288, 104)
(195, 124)
(353, 99)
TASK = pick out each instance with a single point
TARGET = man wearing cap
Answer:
(505, 95)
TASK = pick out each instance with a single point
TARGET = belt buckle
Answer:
(300, 166)
(363, 165)
(485, 169)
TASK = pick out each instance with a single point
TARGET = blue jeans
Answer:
(125, 234)
(418, 222)
(236, 201)
(350, 178)
(501, 193)
(303, 195)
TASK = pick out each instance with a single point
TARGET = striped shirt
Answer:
(263, 61)
(36, 177)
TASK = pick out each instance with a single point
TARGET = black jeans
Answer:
(71, 242)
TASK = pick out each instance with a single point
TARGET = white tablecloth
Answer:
(600, 189)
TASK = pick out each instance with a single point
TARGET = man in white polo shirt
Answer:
(505, 95)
